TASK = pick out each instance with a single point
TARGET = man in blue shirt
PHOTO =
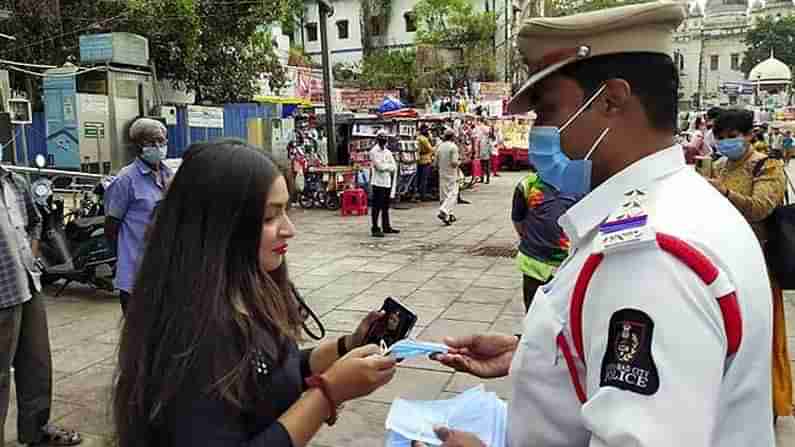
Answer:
(131, 199)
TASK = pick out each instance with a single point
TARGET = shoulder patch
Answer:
(628, 226)
(628, 363)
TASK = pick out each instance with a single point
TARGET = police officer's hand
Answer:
(483, 355)
(453, 438)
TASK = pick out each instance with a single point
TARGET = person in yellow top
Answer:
(424, 163)
(755, 185)
(758, 142)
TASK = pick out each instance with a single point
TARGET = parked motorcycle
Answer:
(73, 246)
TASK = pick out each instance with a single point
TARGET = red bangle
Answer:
(321, 384)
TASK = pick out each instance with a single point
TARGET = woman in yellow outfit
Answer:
(756, 185)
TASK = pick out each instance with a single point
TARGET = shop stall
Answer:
(515, 132)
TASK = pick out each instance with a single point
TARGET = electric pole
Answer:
(325, 10)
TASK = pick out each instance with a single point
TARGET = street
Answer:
(342, 273)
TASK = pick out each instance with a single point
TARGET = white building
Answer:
(345, 28)
(709, 47)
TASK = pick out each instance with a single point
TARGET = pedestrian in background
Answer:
(758, 142)
(776, 143)
(384, 167)
(487, 144)
(132, 197)
(448, 160)
(424, 163)
(209, 352)
(495, 152)
(787, 145)
(755, 185)
(24, 336)
(709, 136)
(543, 245)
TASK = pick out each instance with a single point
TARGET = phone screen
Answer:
(395, 325)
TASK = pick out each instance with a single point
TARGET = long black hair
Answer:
(202, 307)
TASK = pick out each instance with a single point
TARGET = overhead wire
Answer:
(56, 75)
(68, 33)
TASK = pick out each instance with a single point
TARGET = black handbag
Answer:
(780, 247)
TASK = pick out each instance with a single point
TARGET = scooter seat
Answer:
(88, 222)
(61, 269)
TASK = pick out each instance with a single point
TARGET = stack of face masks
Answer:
(475, 411)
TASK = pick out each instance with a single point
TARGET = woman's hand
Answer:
(357, 338)
(484, 356)
(359, 373)
(453, 438)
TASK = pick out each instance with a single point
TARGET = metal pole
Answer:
(506, 44)
(99, 154)
(325, 10)
(24, 146)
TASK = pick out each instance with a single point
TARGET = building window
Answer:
(311, 32)
(411, 21)
(377, 26)
(679, 60)
(714, 62)
(342, 29)
(735, 62)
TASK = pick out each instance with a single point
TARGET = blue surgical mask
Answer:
(571, 177)
(408, 348)
(732, 148)
(154, 154)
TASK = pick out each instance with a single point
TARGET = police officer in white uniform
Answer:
(657, 329)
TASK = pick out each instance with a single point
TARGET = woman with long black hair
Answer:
(208, 353)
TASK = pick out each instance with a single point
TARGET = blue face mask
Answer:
(732, 148)
(571, 177)
(409, 348)
(154, 154)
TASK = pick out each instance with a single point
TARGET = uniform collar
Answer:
(589, 212)
(145, 169)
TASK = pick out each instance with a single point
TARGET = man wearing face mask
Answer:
(131, 199)
(652, 332)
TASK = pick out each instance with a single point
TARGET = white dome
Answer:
(771, 70)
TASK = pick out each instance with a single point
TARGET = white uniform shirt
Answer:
(703, 399)
(383, 167)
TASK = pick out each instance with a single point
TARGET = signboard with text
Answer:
(495, 90)
(201, 116)
(365, 99)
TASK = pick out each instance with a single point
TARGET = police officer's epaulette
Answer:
(627, 227)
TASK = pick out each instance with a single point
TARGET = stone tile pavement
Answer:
(342, 273)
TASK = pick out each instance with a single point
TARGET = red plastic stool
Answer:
(354, 202)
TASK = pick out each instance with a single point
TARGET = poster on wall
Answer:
(210, 117)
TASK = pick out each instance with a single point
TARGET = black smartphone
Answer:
(395, 325)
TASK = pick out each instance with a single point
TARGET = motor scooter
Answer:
(73, 246)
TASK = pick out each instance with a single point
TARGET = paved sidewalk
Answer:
(343, 273)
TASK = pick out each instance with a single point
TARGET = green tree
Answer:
(775, 34)
(218, 49)
(389, 69)
(568, 7)
(454, 24)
